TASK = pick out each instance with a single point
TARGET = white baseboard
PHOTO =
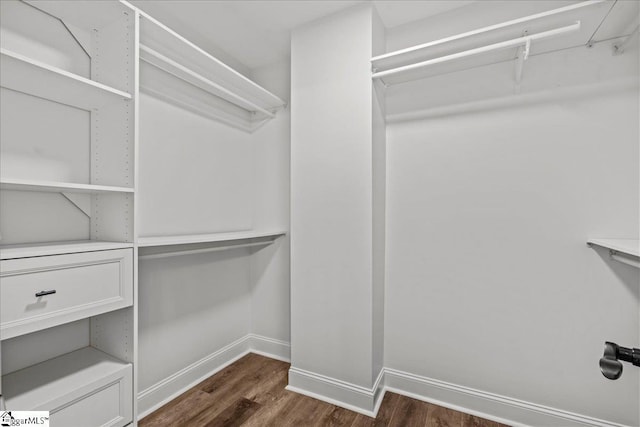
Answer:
(269, 347)
(491, 406)
(350, 396)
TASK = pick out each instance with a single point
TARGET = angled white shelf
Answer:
(57, 381)
(58, 187)
(625, 246)
(178, 59)
(162, 85)
(206, 238)
(626, 251)
(156, 247)
(26, 75)
(551, 30)
(27, 250)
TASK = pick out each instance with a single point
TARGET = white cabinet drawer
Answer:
(85, 284)
(84, 388)
(109, 405)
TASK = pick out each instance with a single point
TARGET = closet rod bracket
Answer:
(619, 48)
(521, 57)
(617, 256)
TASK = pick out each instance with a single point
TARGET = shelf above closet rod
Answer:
(207, 238)
(204, 250)
(520, 41)
(170, 246)
(178, 72)
(626, 251)
(170, 66)
(502, 30)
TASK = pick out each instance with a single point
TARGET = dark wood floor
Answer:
(250, 392)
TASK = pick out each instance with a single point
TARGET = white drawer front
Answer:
(85, 284)
(110, 405)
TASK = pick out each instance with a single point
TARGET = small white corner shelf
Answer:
(26, 75)
(57, 381)
(177, 71)
(568, 26)
(626, 251)
(27, 250)
(203, 243)
(59, 187)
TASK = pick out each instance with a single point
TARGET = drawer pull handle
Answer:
(43, 293)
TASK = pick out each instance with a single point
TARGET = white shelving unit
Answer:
(22, 74)
(569, 26)
(56, 288)
(59, 187)
(58, 248)
(626, 251)
(177, 71)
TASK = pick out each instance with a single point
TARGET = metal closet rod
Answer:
(489, 48)
(202, 251)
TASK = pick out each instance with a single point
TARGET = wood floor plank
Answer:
(267, 390)
(409, 413)
(439, 416)
(337, 417)
(273, 414)
(232, 389)
(271, 403)
(469, 420)
(363, 421)
(388, 405)
(179, 410)
(306, 412)
(236, 414)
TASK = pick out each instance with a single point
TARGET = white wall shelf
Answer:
(625, 246)
(555, 29)
(206, 238)
(165, 50)
(57, 248)
(47, 385)
(626, 251)
(157, 247)
(59, 187)
(22, 74)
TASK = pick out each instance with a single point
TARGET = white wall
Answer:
(195, 174)
(490, 282)
(270, 307)
(379, 205)
(331, 198)
(190, 307)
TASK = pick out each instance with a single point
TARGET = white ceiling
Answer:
(249, 34)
